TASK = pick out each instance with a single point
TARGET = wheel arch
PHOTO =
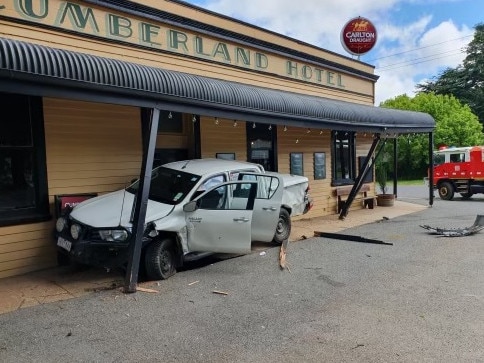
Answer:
(288, 208)
(447, 180)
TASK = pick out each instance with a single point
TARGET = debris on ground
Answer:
(349, 237)
(220, 292)
(144, 289)
(457, 232)
(282, 254)
(113, 286)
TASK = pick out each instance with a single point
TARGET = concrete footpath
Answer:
(56, 284)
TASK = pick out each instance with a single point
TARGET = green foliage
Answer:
(384, 166)
(456, 125)
(381, 175)
(466, 82)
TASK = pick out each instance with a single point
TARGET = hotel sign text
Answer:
(76, 16)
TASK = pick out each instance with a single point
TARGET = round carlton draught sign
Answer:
(358, 36)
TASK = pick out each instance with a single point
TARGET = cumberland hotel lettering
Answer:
(95, 21)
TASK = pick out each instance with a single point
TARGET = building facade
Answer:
(79, 78)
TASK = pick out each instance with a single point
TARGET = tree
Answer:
(466, 82)
(455, 125)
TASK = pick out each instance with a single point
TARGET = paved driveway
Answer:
(421, 299)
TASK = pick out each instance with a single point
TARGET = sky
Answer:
(417, 39)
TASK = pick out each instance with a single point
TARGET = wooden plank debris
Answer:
(220, 292)
(144, 289)
(282, 255)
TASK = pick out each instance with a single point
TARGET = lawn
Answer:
(411, 182)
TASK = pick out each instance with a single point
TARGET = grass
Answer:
(411, 182)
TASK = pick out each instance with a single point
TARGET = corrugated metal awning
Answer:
(35, 69)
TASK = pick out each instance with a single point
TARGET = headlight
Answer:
(114, 235)
(75, 231)
(60, 224)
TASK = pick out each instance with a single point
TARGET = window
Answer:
(319, 166)
(439, 159)
(344, 157)
(296, 164)
(214, 199)
(266, 185)
(168, 186)
(457, 158)
(208, 184)
(23, 181)
(225, 156)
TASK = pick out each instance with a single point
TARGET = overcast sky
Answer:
(417, 39)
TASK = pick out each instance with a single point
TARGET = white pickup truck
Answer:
(195, 208)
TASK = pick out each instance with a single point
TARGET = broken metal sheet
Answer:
(458, 232)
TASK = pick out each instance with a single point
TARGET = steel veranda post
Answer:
(141, 200)
(360, 178)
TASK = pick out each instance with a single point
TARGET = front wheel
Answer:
(446, 191)
(160, 259)
(283, 229)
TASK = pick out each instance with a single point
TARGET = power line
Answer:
(415, 49)
(421, 59)
(417, 61)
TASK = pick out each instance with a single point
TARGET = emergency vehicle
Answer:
(459, 170)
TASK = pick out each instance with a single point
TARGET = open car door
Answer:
(218, 221)
(267, 204)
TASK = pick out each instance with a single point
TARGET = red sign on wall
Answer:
(358, 36)
(70, 201)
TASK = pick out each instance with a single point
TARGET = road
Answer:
(419, 300)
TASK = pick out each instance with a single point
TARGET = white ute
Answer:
(195, 208)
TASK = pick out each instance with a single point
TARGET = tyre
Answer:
(160, 259)
(283, 229)
(446, 191)
(466, 195)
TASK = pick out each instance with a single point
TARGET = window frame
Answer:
(337, 140)
(41, 210)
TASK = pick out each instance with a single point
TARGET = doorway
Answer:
(261, 145)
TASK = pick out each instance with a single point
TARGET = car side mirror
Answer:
(190, 207)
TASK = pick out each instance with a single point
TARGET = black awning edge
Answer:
(41, 64)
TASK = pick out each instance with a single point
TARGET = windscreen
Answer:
(168, 186)
(439, 159)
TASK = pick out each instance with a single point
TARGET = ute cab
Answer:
(459, 170)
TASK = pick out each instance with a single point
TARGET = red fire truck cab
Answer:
(459, 170)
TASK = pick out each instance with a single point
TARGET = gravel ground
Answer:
(421, 299)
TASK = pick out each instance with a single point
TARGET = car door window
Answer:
(266, 186)
(208, 184)
(211, 182)
(217, 199)
(214, 199)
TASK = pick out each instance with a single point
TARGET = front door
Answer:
(221, 222)
(261, 145)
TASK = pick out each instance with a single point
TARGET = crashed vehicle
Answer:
(195, 208)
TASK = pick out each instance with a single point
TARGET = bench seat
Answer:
(343, 192)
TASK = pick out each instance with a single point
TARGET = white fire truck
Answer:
(459, 170)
